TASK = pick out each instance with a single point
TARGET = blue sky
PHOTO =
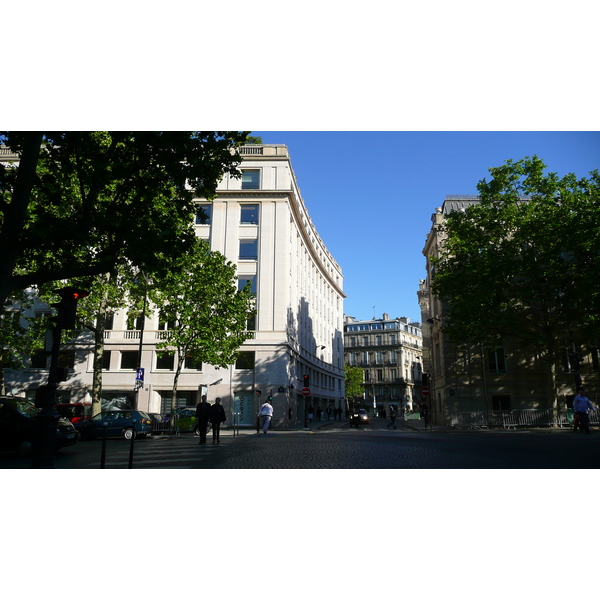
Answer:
(371, 195)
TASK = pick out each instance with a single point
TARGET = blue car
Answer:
(116, 423)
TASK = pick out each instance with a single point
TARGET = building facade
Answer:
(261, 224)
(490, 384)
(389, 351)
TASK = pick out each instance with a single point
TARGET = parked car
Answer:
(116, 423)
(18, 427)
(76, 412)
(184, 420)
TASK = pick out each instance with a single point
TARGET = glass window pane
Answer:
(203, 214)
(248, 249)
(249, 214)
(250, 179)
(243, 279)
(245, 361)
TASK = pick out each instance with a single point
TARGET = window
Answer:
(106, 360)
(183, 399)
(353, 342)
(129, 360)
(66, 359)
(39, 359)
(191, 364)
(365, 341)
(248, 249)
(164, 324)
(496, 360)
(249, 214)
(251, 323)
(376, 326)
(596, 359)
(501, 403)
(379, 358)
(203, 214)
(378, 340)
(245, 361)
(393, 374)
(379, 374)
(134, 321)
(392, 339)
(250, 179)
(243, 279)
(165, 361)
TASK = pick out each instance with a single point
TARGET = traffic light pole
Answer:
(47, 419)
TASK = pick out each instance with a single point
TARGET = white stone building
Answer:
(260, 223)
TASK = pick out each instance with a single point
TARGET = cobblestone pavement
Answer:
(335, 446)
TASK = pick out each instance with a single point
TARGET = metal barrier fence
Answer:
(509, 419)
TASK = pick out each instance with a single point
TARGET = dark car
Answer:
(76, 412)
(18, 427)
(358, 417)
(116, 423)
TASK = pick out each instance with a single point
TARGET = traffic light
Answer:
(68, 304)
(306, 381)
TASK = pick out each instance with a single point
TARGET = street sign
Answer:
(306, 392)
(425, 390)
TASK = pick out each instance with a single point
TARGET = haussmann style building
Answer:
(502, 385)
(389, 351)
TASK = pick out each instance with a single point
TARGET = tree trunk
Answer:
(99, 353)
(180, 359)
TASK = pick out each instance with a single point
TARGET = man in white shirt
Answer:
(581, 407)
(265, 413)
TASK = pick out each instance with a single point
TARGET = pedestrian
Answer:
(202, 419)
(329, 413)
(425, 414)
(392, 423)
(581, 408)
(217, 416)
(319, 411)
(266, 414)
(310, 413)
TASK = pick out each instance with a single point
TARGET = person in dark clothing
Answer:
(392, 422)
(202, 417)
(217, 416)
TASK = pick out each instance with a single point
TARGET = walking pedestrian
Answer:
(217, 416)
(392, 423)
(581, 408)
(202, 418)
(319, 411)
(266, 414)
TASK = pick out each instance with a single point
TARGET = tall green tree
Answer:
(353, 382)
(206, 312)
(81, 204)
(523, 262)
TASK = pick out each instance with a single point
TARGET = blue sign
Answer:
(140, 375)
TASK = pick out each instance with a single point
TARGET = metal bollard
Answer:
(131, 448)
(103, 454)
